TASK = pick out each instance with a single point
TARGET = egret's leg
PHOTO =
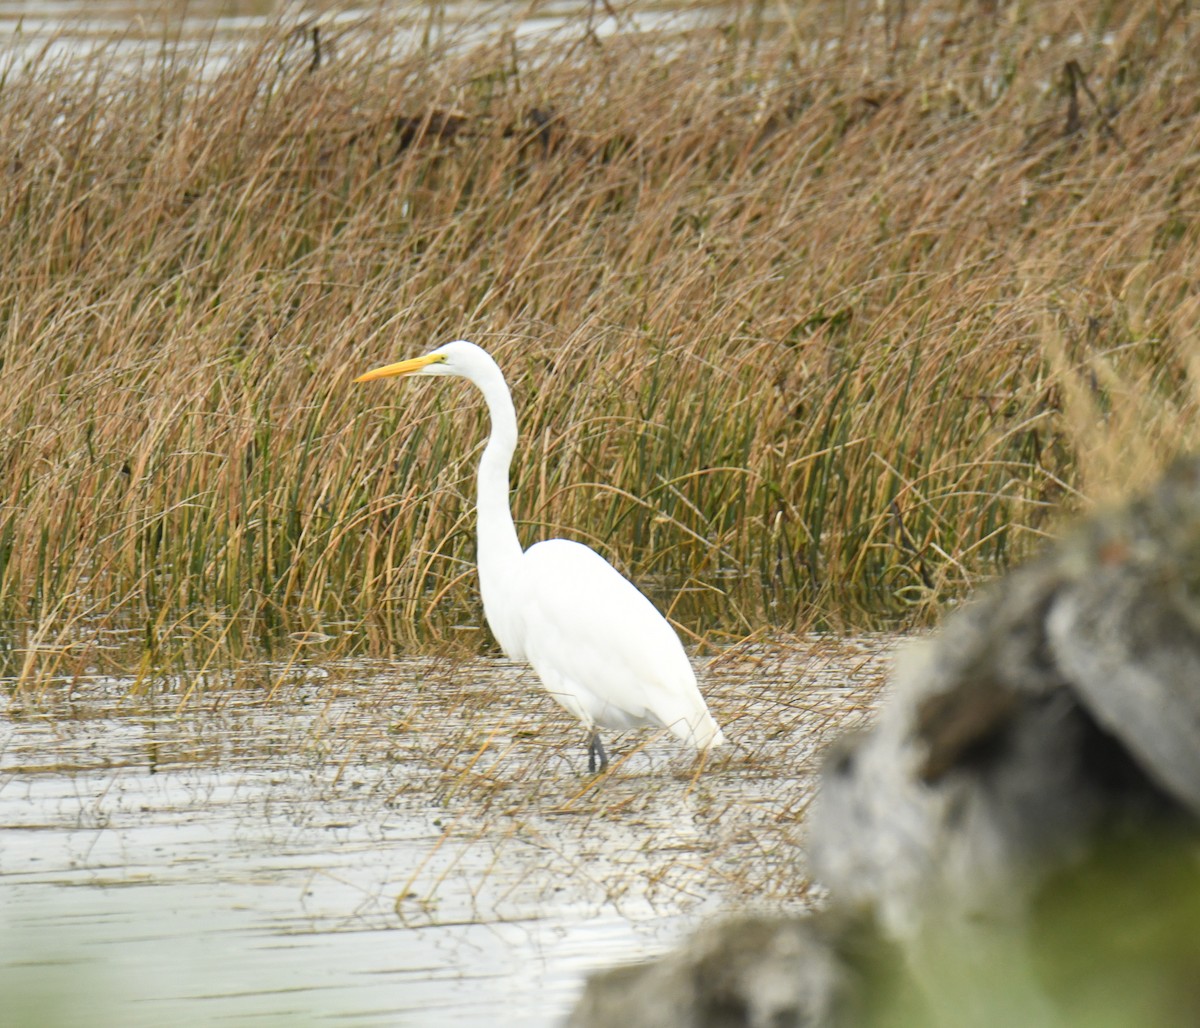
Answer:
(596, 749)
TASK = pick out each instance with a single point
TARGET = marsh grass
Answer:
(812, 323)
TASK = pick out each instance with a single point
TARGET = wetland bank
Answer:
(814, 323)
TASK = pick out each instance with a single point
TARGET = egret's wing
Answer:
(596, 640)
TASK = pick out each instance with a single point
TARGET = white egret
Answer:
(599, 646)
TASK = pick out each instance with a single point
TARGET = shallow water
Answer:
(212, 30)
(388, 843)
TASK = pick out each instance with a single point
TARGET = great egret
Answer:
(599, 646)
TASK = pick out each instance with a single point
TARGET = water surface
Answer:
(407, 842)
(211, 30)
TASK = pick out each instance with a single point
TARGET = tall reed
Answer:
(812, 322)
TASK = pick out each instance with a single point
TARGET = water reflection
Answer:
(384, 843)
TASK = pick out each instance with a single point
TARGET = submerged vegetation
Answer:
(808, 323)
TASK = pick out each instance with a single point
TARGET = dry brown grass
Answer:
(807, 323)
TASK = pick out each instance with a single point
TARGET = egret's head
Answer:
(456, 358)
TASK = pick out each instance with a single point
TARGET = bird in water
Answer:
(598, 645)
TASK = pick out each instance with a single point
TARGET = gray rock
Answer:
(755, 971)
(1016, 840)
(1126, 631)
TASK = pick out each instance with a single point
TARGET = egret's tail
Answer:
(703, 733)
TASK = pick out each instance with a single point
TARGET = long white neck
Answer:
(499, 547)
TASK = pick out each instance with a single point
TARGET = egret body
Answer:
(598, 645)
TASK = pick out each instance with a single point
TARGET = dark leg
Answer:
(596, 749)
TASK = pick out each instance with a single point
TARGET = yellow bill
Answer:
(402, 367)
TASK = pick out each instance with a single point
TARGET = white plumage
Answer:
(599, 646)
